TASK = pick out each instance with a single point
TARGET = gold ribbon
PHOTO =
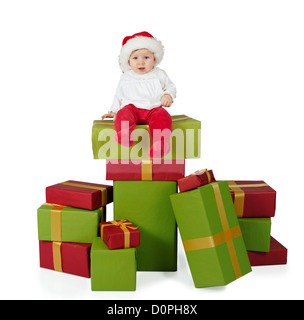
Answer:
(239, 195)
(212, 241)
(226, 236)
(111, 123)
(104, 193)
(124, 226)
(56, 222)
(202, 171)
(57, 260)
(146, 170)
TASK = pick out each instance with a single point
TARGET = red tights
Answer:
(158, 118)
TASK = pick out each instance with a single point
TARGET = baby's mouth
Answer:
(141, 69)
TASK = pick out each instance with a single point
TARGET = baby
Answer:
(141, 94)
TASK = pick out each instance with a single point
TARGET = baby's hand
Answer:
(109, 115)
(166, 100)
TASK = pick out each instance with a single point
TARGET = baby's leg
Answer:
(160, 124)
(125, 124)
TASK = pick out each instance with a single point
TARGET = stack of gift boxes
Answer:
(224, 225)
(248, 206)
(69, 222)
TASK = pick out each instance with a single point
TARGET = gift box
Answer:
(185, 142)
(256, 233)
(211, 235)
(161, 170)
(253, 199)
(112, 270)
(73, 258)
(120, 234)
(147, 205)
(79, 194)
(276, 255)
(68, 224)
(195, 180)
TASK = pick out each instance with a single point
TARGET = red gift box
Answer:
(119, 234)
(158, 169)
(78, 194)
(195, 180)
(276, 255)
(255, 199)
(67, 257)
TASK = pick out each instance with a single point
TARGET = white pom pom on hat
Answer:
(141, 40)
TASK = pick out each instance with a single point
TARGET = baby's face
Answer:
(142, 61)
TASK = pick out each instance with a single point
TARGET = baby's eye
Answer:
(135, 58)
(146, 57)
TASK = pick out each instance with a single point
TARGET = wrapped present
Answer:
(256, 233)
(79, 194)
(147, 205)
(253, 199)
(195, 180)
(211, 235)
(112, 270)
(185, 140)
(276, 255)
(161, 170)
(73, 258)
(67, 224)
(119, 234)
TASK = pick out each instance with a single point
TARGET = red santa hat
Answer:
(141, 40)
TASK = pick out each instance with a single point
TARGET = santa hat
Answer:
(141, 40)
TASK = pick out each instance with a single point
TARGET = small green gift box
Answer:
(256, 233)
(112, 270)
(147, 205)
(68, 224)
(185, 140)
(211, 235)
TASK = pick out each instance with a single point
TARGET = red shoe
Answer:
(123, 138)
(159, 149)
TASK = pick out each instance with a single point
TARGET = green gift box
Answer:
(68, 224)
(185, 141)
(112, 270)
(147, 205)
(211, 235)
(256, 233)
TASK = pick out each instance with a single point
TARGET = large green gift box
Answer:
(68, 224)
(147, 205)
(185, 142)
(256, 233)
(211, 235)
(112, 270)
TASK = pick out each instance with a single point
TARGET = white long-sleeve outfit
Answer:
(143, 90)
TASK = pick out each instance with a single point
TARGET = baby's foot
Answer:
(123, 138)
(159, 149)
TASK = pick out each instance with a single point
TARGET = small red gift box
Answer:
(78, 194)
(255, 199)
(157, 169)
(67, 257)
(276, 255)
(195, 180)
(119, 234)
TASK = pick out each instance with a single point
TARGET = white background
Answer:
(238, 67)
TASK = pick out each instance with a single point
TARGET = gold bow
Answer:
(124, 225)
(198, 172)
